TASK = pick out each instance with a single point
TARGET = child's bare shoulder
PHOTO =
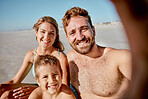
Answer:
(36, 94)
(67, 92)
(65, 89)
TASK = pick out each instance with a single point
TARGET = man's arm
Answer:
(125, 63)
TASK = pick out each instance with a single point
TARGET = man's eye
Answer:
(84, 29)
(71, 33)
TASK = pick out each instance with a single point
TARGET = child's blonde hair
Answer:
(46, 60)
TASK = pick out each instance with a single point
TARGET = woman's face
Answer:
(46, 34)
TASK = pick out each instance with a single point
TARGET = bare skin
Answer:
(18, 88)
(96, 72)
(50, 84)
(46, 36)
(65, 93)
(102, 77)
(10, 91)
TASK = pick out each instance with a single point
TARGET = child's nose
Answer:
(51, 79)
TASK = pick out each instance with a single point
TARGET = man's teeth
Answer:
(81, 43)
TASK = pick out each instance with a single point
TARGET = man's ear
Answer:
(93, 28)
(62, 75)
(38, 82)
(66, 36)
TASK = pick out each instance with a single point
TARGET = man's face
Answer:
(80, 35)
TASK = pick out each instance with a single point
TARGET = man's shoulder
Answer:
(110, 50)
(118, 54)
(71, 54)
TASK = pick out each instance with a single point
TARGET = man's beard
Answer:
(85, 49)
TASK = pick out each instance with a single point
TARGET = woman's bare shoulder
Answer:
(29, 55)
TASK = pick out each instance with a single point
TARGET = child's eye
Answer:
(45, 77)
(71, 33)
(55, 75)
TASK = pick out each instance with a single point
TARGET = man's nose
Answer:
(79, 36)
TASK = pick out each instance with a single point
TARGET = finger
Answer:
(22, 95)
(15, 90)
(20, 88)
(21, 92)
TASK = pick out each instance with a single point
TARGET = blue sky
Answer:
(22, 14)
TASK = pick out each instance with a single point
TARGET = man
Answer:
(95, 72)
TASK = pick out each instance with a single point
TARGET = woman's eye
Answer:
(42, 32)
(52, 33)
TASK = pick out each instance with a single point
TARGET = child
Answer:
(48, 74)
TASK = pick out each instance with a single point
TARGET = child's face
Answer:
(50, 79)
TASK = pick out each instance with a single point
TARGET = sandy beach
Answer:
(15, 44)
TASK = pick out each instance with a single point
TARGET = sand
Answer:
(15, 44)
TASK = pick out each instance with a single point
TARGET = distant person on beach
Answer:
(48, 74)
(134, 15)
(47, 36)
(96, 72)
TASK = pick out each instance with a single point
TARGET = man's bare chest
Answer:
(97, 77)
